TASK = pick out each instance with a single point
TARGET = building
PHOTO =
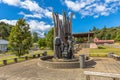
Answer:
(86, 35)
(3, 45)
(97, 41)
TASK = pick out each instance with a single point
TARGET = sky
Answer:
(38, 13)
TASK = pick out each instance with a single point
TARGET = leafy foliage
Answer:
(35, 37)
(118, 37)
(50, 38)
(5, 30)
(20, 38)
(42, 42)
(107, 33)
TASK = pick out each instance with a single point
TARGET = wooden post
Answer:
(38, 55)
(4, 62)
(44, 53)
(26, 57)
(82, 61)
(15, 60)
(34, 56)
(87, 77)
(71, 15)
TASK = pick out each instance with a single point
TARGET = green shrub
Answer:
(101, 47)
(42, 48)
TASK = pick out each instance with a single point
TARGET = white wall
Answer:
(3, 47)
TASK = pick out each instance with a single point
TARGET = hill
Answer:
(107, 33)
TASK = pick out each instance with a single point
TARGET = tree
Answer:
(118, 37)
(20, 38)
(42, 42)
(108, 36)
(5, 30)
(50, 38)
(94, 28)
(35, 37)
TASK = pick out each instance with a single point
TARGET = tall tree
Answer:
(35, 37)
(94, 28)
(42, 42)
(50, 38)
(20, 38)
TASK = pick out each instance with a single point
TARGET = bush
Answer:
(42, 48)
(101, 47)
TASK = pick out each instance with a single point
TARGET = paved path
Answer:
(83, 51)
(29, 70)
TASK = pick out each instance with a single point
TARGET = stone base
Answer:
(64, 60)
(50, 62)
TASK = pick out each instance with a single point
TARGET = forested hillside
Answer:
(5, 30)
(107, 33)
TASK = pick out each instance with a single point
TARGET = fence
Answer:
(15, 60)
(100, 74)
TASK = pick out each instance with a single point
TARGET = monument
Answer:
(63, 46)
(63, 42)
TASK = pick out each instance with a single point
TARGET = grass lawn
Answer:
(10, 57)
(103, 52)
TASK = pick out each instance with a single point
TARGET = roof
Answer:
(96, 40)
(83, 34)
(104, 41)
(3, 41)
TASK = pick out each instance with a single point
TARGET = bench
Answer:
(114, 56)
(101, 74)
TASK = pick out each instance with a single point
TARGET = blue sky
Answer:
(38, 13)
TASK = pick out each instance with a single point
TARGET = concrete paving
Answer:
(30, 70)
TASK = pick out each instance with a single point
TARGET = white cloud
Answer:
(36, 10)
(11, 2)
(32, 6)
(76, 6)
(47, 13)
(38, 26)
(12, 22)
(93, 8)
(100, 8)
(26, 4)
(108, 1)
(41, 34)
(34, 15)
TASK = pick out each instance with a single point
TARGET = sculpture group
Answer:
(63, 42)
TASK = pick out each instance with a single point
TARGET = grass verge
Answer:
(10, 58)
(103, 52)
